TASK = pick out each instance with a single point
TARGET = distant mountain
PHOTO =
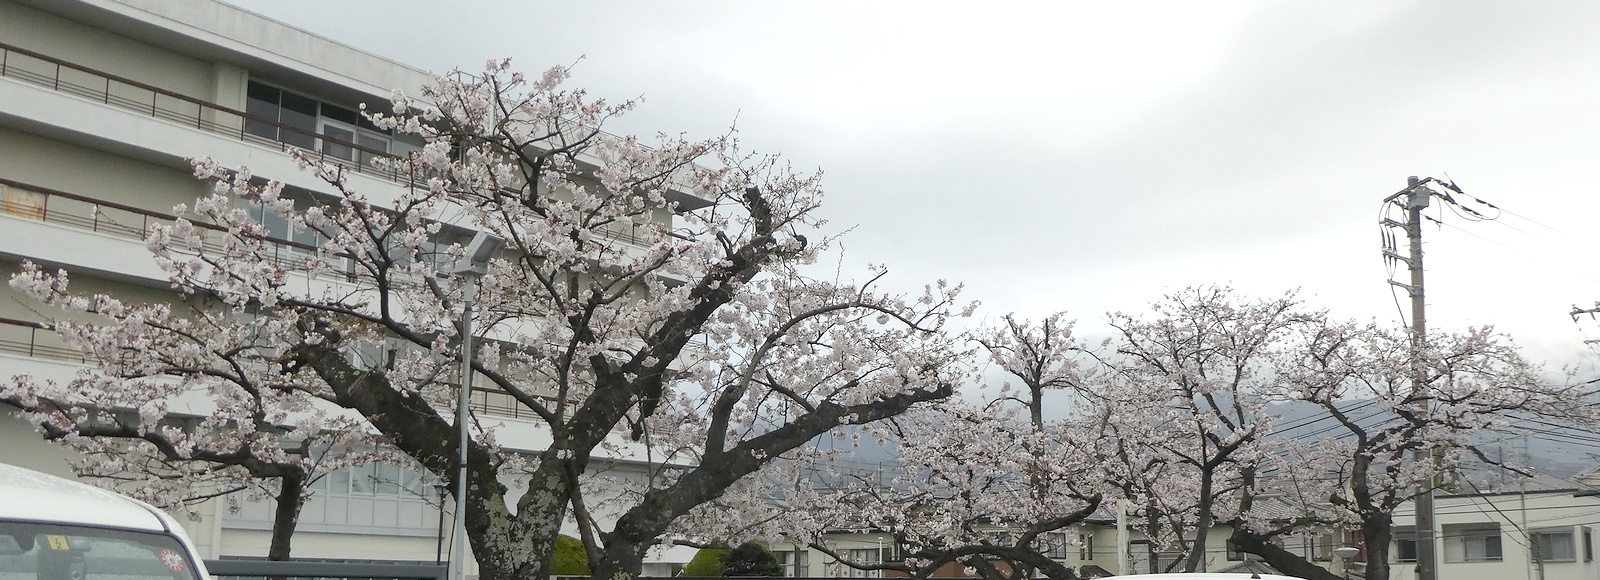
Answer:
(1550, 448)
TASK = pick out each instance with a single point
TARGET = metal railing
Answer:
(128, 222)
(301, 569)
(63, 76)
(66, 77)
(496, 402)
(34, 340)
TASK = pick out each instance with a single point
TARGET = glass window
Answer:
(411, 483)
(277, 226)
(1053, 545)
(336, 142)
(371, 146)
(1472, 543)
(340, 114)
(57, 552)
(362, 478)
(299, 119)
(262, 102)
(1554, 546)
(312, 124)
(794, 563)
(388, 480)
(1405, 545)
(339, 481)
(1322, 547)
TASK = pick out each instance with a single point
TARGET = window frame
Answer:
(1539, 543)
(1404, 538)
(1466, 535)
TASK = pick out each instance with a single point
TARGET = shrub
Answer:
(751, 559)
(569, 559)
(708, 561)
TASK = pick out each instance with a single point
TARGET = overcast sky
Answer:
(1091, 157)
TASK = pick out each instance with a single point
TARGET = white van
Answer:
(57, 529)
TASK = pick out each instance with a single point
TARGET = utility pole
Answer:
(1592, 312)
(1416, 198)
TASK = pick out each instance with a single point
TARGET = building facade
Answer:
(1546, 534)
(101, 103)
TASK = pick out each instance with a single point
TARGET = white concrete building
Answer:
(101, 101)
(1535, 535)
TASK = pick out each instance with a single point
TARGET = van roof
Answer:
(33, 496)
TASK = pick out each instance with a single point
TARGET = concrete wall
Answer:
(1516, 516)
(91, 172)
(105, 51)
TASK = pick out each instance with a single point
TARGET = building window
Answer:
(1588, 545)
(1053, 545)
(1085, 547)
(794, 563)
(310, 124)
(1472, 543)
(381, 479)
(1405, 545)
(1553, 546)
(865, 557)
(278, 227)
(1321, 546)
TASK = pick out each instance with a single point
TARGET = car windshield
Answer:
(35, 551)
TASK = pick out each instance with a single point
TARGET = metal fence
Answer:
(66, 77)
(312, 570)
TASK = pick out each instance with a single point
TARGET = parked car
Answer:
(57, 529)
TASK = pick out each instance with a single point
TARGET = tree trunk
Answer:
(1152, 528)
(291, 497)
(1283, 560)
(1197, 551)
(1376, 532)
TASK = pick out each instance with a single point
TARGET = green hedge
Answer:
(570, 559)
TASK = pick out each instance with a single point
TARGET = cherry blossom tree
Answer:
(991, 487)
(1180, 418)
(193, 411)
(1381, 403)
(648, 296)
(1206, 355)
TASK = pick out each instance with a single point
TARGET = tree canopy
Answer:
(650, 305)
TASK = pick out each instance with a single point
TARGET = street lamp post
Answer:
(438, 552)
(472, 266)
(1348, 555)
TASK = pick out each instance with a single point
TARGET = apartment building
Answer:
(1541, 534)
(101, 102)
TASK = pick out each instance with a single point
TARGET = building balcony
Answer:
(147, 100)
(88, 214)
(342, 139)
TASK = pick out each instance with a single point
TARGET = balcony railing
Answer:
(124, 221)
(33, 340)
(59, 75)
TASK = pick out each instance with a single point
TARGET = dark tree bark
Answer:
(1280, 559)
(286, 516)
